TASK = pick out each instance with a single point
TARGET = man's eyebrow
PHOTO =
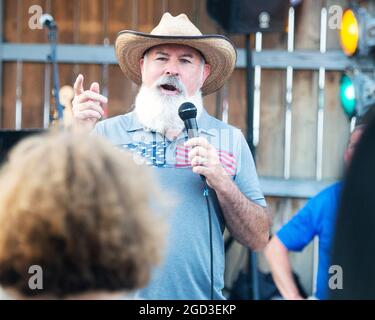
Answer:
(189, 55)
(162, 53)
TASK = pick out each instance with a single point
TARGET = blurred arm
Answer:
(277, 256)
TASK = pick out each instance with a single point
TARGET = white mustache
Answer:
(172, 81)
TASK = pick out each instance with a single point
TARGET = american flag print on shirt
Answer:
(153, 153)
(227, 159)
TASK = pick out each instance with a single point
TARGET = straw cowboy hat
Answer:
(217, 50)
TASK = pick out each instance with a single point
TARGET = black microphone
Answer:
(46, 20)
(188, 114)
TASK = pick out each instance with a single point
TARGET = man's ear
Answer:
(206, 72)
(141, 62)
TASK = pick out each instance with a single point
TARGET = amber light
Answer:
(349, 33)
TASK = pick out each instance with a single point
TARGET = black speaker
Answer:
(249, 16)
(9, 138)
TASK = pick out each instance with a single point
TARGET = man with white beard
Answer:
(174, 64)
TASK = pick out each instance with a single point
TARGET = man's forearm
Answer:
(248, 222)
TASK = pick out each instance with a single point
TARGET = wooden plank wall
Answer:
(304, 124)
(98, 21)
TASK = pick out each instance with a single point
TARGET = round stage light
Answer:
(347, 95)
(349, 33)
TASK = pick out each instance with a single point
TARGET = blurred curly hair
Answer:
(80, 209)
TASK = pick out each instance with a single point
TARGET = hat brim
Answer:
(217, 50)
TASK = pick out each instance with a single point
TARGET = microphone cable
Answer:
(188, 113)
(206, 195)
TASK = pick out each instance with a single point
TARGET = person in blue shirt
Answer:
(316, 218)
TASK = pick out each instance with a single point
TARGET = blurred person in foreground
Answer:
(354, 242)
(78, 209)
(316, 218)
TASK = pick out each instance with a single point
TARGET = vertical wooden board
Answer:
(305, 84)
(204, 23)
(31, 35)
(32, 73)
(270, 151)
(10, 15)
(9, 96)
(336, 129)
(209, 103)
(207, 26)
(16, 21)
(120, 95)
(12, 33)
(32, 95)
(91, 29)
(307, 25)
(237, 99)
(333, 6)
(91, 73)
(189, 7)
(67, 75)
(119, 17)
(149, 14)
(274, 41)
(63, 12)
(239, 41)
(304, 124)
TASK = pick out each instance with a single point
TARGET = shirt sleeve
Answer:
(246, 177)
(301, 229)
(97, 130)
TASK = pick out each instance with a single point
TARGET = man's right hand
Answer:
(87, 109)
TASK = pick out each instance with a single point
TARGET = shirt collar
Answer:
(203, 123)
(135, 124)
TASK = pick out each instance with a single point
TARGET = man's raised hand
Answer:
(87, 104)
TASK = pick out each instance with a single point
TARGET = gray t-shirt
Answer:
(185, 270)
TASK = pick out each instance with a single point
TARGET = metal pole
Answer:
(47, 85)
(105, 66)
(250, 136)
(47, 92)
(289, 98)
(257, 85)
(250, 95)
(19, 67)
(52, 36)
(320, 131)
(321, 98)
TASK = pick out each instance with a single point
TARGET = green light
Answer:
(347, 95)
